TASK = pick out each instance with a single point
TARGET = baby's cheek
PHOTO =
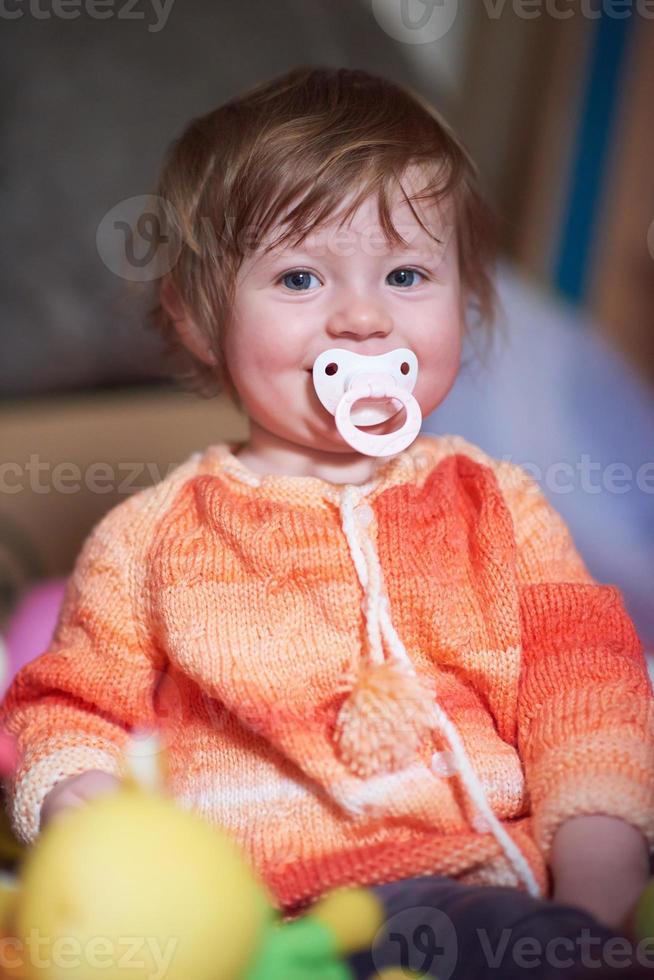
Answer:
(435, 380)
(271, 362)
(273, 341)
(439, 351)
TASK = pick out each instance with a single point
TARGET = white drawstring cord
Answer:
(378, 625)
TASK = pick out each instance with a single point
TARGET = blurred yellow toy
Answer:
(133, 885)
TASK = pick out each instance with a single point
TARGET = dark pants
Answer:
(441, 928)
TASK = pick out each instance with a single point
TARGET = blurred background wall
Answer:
(553, 101)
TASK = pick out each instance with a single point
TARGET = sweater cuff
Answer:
(28, 790)
(593, 776)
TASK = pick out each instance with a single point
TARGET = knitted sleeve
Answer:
(585, 706)
(72, 708)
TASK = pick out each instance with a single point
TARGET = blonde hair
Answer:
(317, 134)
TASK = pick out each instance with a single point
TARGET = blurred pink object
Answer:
(8, 754)
(32, 625)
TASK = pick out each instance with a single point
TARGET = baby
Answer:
(375, 659)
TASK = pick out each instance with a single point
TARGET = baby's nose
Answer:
(360, 320)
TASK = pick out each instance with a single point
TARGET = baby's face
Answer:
(344, 288)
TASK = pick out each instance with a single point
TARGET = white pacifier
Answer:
(382, 383)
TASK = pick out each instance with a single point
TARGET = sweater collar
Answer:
(409, 466)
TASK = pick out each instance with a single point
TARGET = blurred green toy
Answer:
(643, 915)
(343, 922)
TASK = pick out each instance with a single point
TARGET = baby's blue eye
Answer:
(405, 277)
(298, 280)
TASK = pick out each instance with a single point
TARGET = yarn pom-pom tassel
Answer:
(384, 719)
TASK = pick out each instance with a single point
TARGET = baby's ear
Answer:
(187, 331)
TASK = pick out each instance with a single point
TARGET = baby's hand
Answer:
(75, 791)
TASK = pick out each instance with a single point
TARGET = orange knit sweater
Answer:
(360, 683)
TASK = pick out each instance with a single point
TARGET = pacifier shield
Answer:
(363, 390)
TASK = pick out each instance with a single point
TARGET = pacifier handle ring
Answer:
(379, 445)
